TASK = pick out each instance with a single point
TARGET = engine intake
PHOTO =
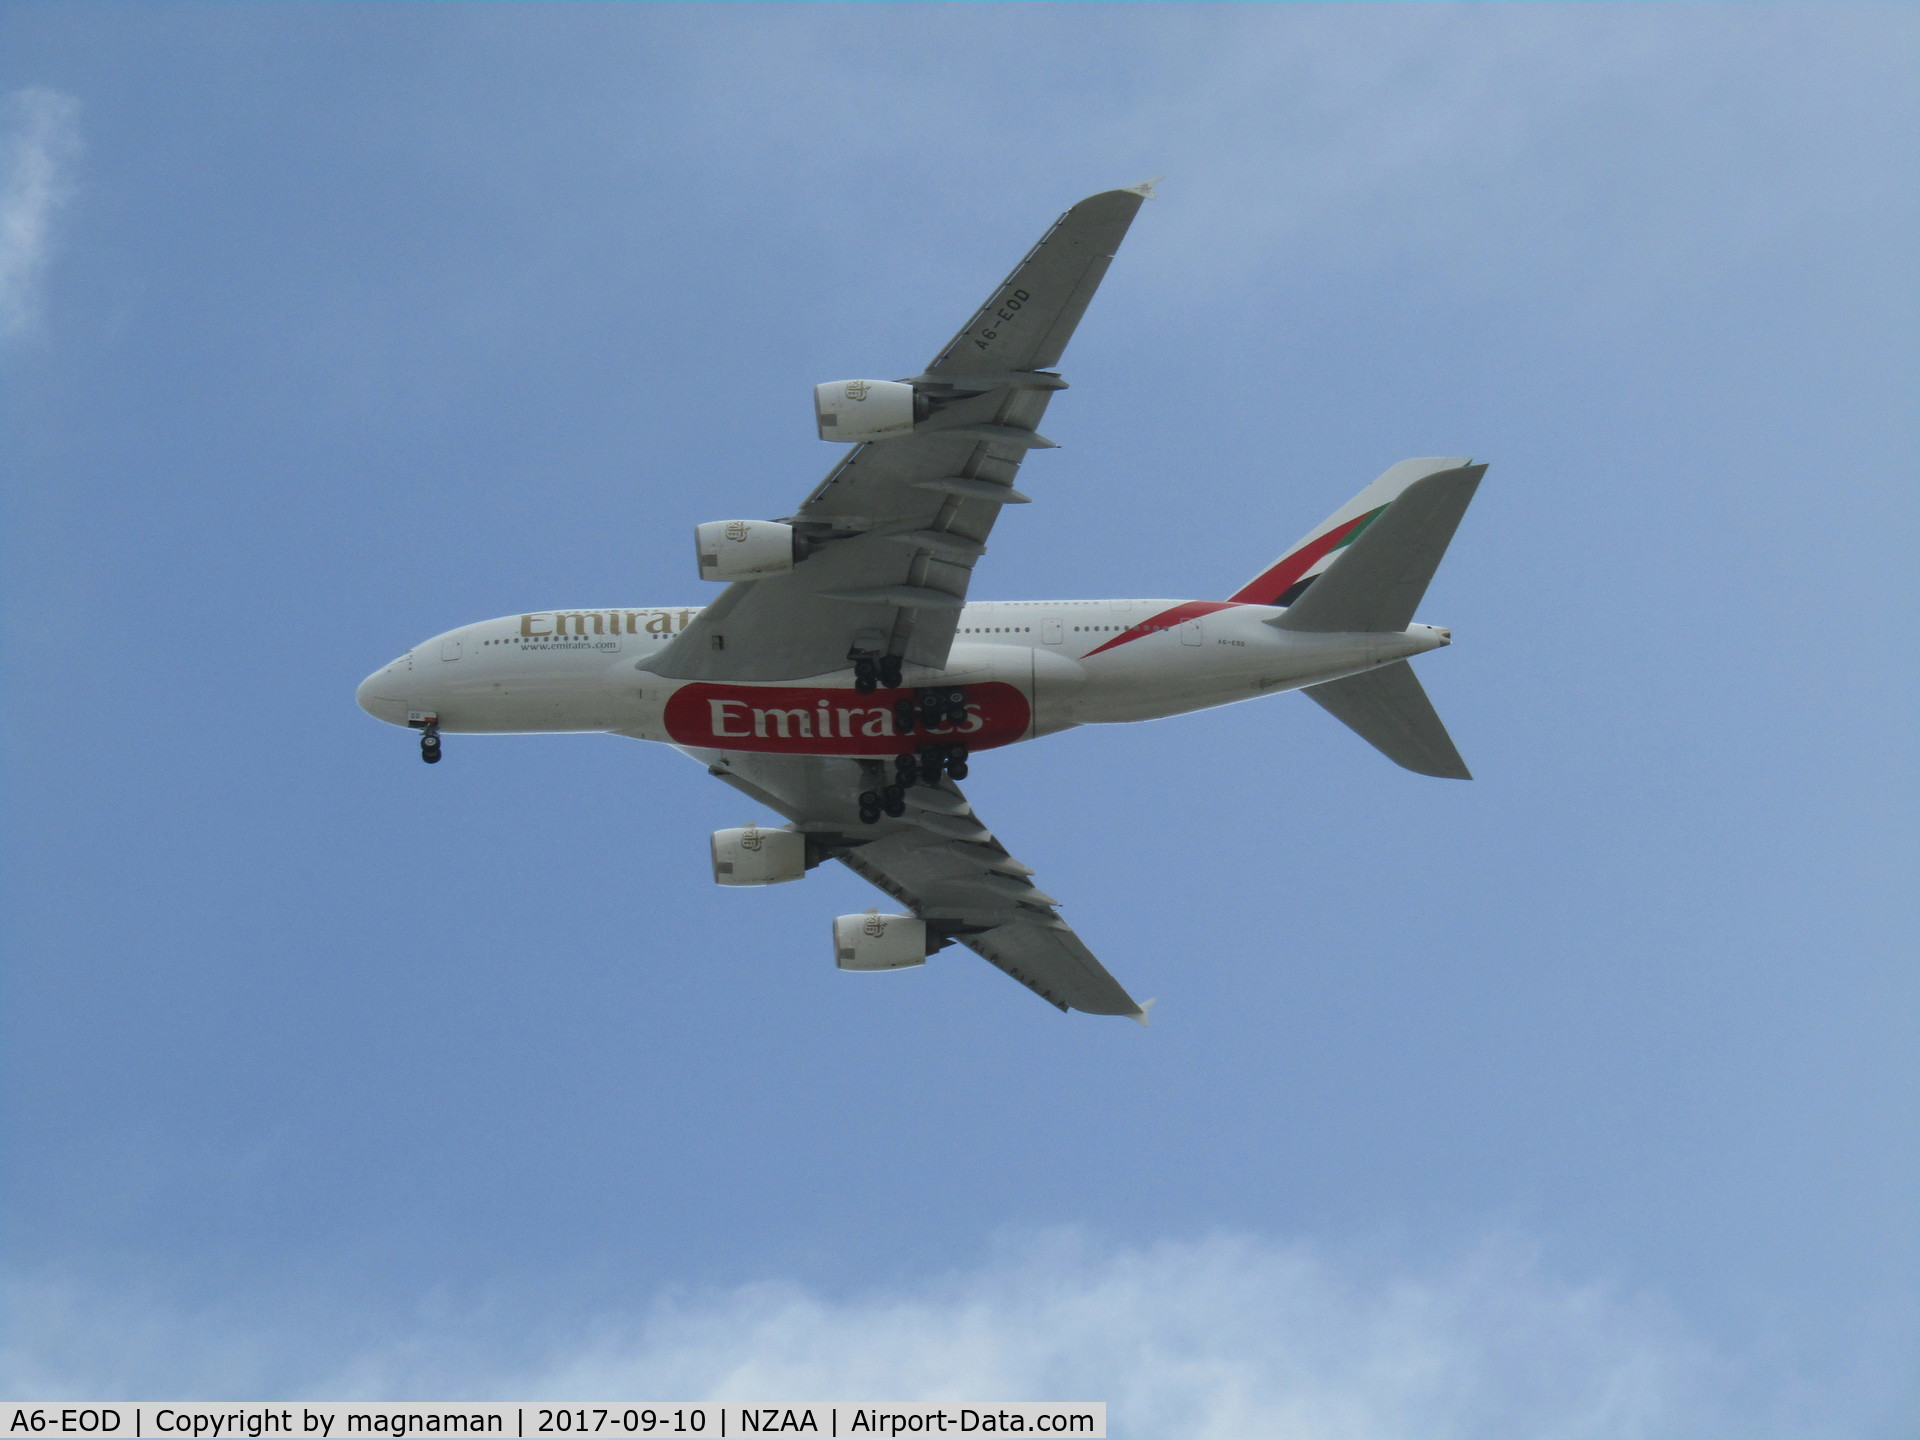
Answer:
(745, 549)
(879, 942)
(752, 856)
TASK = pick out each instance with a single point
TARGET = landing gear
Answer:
(869, 808)
(430, 742)
(870, 675)
(903, 717)
(926, 765)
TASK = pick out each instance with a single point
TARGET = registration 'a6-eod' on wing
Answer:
(845, 680)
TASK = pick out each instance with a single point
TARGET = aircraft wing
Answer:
(941, 863)
(897, 525)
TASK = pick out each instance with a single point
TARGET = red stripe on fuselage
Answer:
(1165, 620)
(1267, 588)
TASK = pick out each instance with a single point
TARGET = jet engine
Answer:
(855, 410)
(879, 942)
(752, 856)
(745, 549)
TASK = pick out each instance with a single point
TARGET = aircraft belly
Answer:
(546, 696)
(1238, 657)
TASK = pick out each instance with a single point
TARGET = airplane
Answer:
(845, 679)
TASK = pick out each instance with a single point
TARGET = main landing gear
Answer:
(924, 766)
(935, 706)
(872, 675)
(928, 710)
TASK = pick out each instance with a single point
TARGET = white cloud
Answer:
(41, 144)
(1230, 1337)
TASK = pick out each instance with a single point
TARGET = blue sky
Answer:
(1575, 1101)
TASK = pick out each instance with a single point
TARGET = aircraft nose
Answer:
(379, 695)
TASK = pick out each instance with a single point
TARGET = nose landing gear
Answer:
(429, 728)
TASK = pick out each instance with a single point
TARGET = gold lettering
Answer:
(526, 625)
(659, 622)
(685, 615)
(633, 621)
(575, 623)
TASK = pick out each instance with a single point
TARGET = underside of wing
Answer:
(889, 539)
(940, 862)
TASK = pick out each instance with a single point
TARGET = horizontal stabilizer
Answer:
(1382, 575)
(1389, 710)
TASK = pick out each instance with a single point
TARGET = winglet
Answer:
(1145, 188)
(1145, 1006)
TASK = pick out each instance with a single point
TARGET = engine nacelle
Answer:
(744, 549)
(879, 942)
(752, 856)
(855, 410)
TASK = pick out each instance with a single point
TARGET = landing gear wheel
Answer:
(893, 795)
(896, 808)
(430, 744)
(869, 815)
(957, 769)
(889, 671)
(865, 675)
(930, 770)
(432, 757)
(903, 715)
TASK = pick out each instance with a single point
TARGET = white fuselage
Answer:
(1029, 668)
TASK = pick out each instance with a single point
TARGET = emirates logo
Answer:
(736, 530)
(856, 390)
(750, 840)
(874, 928)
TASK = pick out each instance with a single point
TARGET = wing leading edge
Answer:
(896, 527)
(940, 862)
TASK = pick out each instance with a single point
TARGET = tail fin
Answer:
(1366, 569)
(1287, 579)
(1390, 711)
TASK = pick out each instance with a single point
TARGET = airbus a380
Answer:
(844, 679)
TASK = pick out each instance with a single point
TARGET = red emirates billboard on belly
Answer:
(801, 720)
